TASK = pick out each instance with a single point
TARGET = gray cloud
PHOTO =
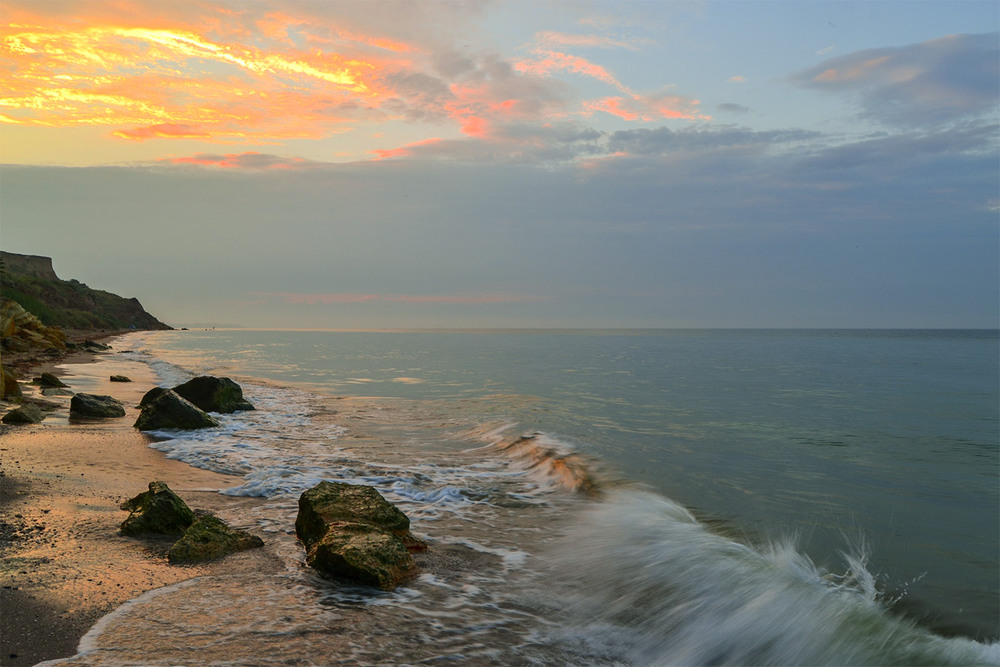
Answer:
(730, 107)
(689, 227)
(932, 83)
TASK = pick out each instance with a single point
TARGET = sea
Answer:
(600, 497)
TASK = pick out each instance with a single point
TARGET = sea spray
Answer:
(641, 574)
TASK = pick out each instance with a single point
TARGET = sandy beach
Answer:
(64, 565)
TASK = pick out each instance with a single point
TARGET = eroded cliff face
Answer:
(31, 281)
(34, 266)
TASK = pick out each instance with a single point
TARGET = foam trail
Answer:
(648, 581)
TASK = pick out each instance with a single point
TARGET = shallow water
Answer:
(633, 498)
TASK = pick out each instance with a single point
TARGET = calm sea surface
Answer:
(762, 496)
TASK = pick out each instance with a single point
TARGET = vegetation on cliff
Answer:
(31, 282)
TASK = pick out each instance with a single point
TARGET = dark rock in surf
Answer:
(157, 511)
(120, 378)
(26, 414)
(213, 394)
(94, 346)
(94, 406)
(210, 538)
(352, 532)
(151, 396)
(162, 408)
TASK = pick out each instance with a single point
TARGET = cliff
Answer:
(30, 281)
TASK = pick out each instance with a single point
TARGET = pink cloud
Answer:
(249, 160)
(472, 299)
(551, 61)
(403, 151)
(648, 108)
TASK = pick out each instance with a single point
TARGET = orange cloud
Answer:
(148, 77)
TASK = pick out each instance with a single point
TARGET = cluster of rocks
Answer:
(349, 532)
(159, 511)
(187, 405)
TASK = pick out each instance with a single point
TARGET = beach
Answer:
(61, 482)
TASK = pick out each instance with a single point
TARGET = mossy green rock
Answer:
(158, 511)
(358, 553)
(214, 394)
(329, 503)
(351, 531)
(210, 538)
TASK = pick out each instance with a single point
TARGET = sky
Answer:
(301, 164)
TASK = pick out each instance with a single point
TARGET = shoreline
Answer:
(64, 565)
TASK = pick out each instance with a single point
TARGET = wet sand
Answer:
(63, 564)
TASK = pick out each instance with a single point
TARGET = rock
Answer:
(50, 380)
(94, 405)
(151, 395)
(56, 391)
(120, 378)
(158, 510)
(210, 538)
(94, 346)
(213, 394)
(168, 410)
(9, 387)
(351, 531)
(356, 552)
(26, 414)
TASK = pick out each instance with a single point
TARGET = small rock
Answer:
(210, 538)
(50, 380)
(26, 414)
(94, 405)
(158, 510)
(94, 346)
(120, 378)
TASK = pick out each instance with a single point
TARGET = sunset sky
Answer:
(487, 164)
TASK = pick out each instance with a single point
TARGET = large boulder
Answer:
(26, 414)
(213, 394)
(351, 531)
(158, 511)
(95, 406)
(210, 538)
(162, 408)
